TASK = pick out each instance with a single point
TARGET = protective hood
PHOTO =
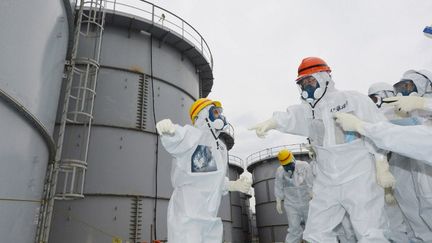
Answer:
(201, 122)
(324, 78)
(422, 79)
(379, 91)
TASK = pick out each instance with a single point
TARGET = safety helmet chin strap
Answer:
(212, 132)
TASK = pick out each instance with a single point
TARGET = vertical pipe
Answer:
(153, 13)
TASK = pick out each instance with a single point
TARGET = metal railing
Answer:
(164, 19)
(272, 152)
(232, 159)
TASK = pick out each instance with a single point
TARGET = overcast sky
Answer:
(258, 45)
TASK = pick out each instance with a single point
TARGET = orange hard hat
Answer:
(311, 65)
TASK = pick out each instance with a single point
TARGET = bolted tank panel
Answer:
(236, 203)
(272, 227)
(32, 61)
(246, 217)
(136, 56)
(143, 78)
(226, 217)
(100, 219)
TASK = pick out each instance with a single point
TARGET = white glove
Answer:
(406, 103)
(262, 128)
(165, 127)
(279, 206)
(384, 178)
(349, 122)
(240, 185)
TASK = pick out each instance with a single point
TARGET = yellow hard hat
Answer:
(285, 157)
(200, 104)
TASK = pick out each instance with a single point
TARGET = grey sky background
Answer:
(258, 45)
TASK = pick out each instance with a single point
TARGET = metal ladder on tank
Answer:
(68, 172)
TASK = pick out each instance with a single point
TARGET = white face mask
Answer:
(312, 92)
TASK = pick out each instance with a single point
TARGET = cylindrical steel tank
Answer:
(226, 216)
(246, 224)
(33, 47)
(272, 227)
(253, 228)
(149, 70)
(235, 169)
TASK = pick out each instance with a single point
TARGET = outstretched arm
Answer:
(409, 103)
(177, 139)
(291, 121)
(411, 141)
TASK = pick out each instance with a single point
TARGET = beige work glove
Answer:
(262, 128)
(406, 103)
(383, 175)
(240, 185)
(349, 122)
(165, 127)
(279, 206)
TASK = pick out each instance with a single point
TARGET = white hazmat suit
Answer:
(295, 190)
(403, 226)
(416, 105)
(198, 176)
(412, 141)
(393, 137)
(345, 179)
(344, 231)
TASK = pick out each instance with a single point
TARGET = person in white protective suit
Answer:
(377, 93)
(293, 186)
(344, 231)
(412, 91)
(407, 226)
(198, 174)
(345, 180)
